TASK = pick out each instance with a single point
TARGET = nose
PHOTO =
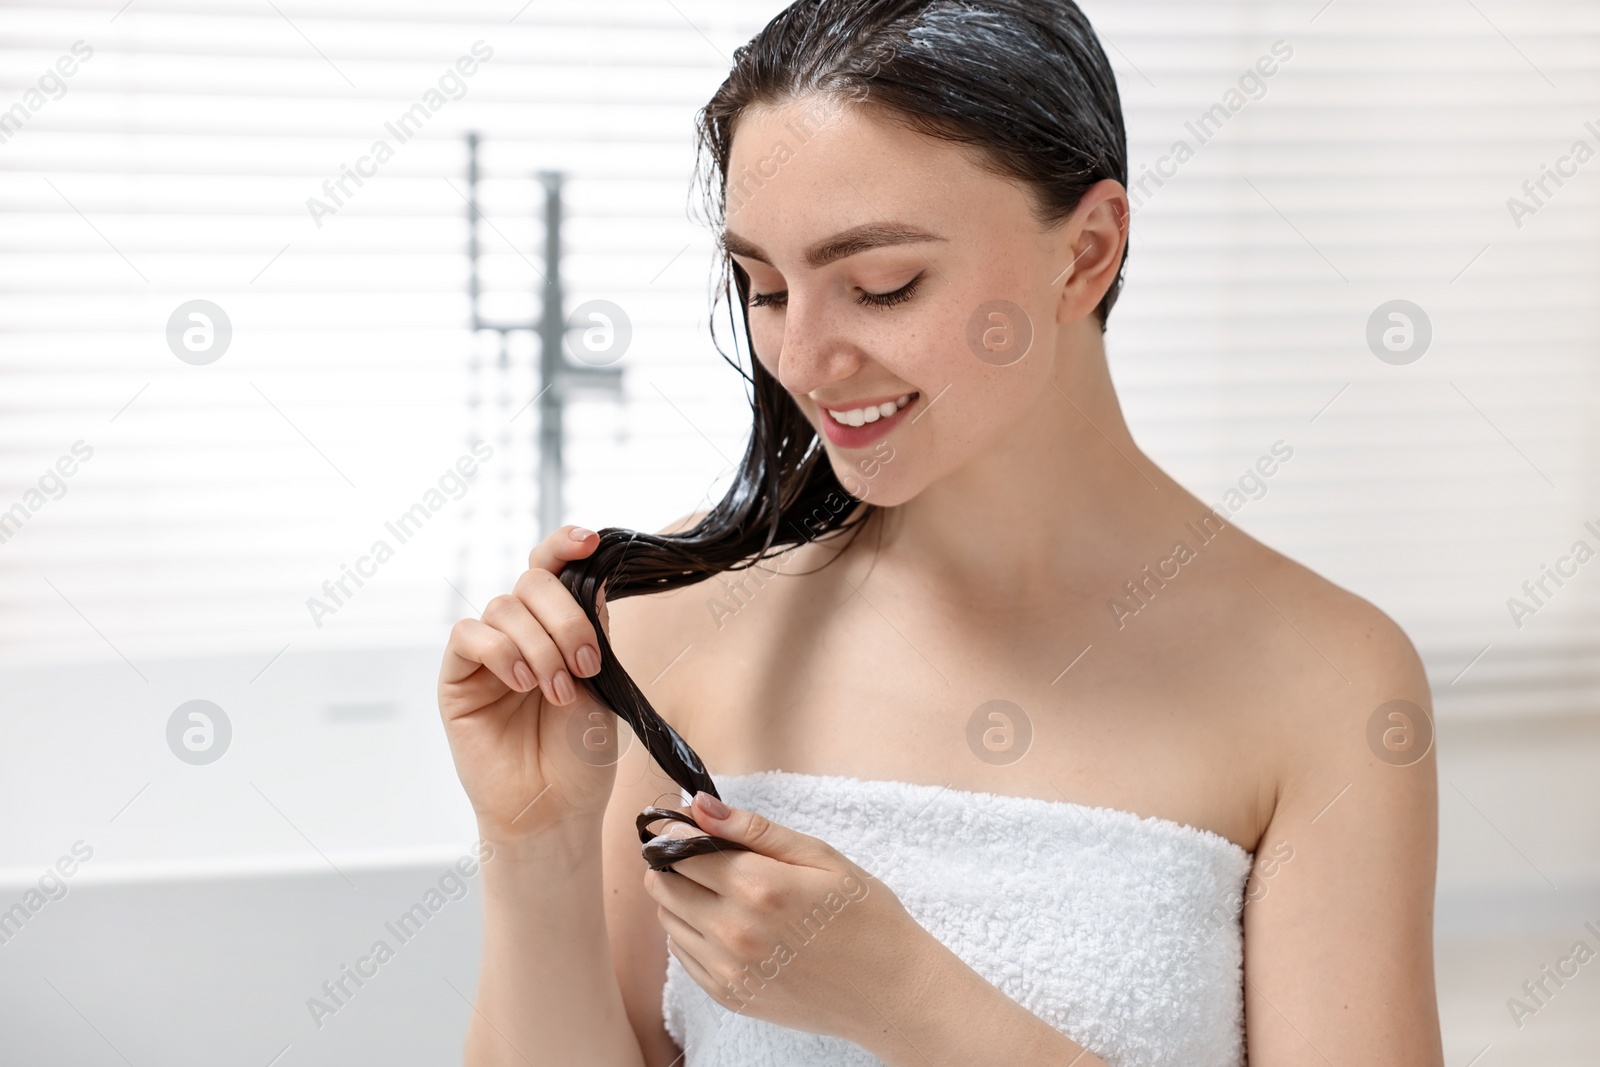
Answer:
(816, 352)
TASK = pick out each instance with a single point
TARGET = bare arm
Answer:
(512, 709)
(611, 951)
(573, 958)
(1338, 914)
(547, 993)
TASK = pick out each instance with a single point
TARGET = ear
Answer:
(1094, 235)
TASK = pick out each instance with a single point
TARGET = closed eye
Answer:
(880, 300)
(885, 300)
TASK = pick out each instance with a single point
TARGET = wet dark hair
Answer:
(1023, 83)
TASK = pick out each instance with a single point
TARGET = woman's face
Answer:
(904, 296)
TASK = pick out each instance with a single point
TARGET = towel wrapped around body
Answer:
(1120, 931)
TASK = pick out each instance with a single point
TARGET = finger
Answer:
(569, 542)
(559, 614)
(760, 834)
(679, 893)
(474, 644)
(703, 978)
(725, 872)
(685, 936)
(511, 617)
(711, 870)
(475, 692)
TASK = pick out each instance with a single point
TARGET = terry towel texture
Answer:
(1121, 932)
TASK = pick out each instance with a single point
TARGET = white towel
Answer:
(1121, 932)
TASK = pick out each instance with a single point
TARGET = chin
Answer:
(881, 488)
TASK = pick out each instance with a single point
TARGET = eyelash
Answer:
(878, 300)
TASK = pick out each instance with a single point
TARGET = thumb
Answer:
(760, 834)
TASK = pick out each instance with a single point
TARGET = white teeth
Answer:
(862, 416)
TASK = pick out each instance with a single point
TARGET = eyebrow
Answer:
(845, 243)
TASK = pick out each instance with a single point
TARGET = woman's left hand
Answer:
(791, 932)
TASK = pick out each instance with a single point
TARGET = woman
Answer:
(1043, 761)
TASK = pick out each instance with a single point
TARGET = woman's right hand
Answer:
(532, 747)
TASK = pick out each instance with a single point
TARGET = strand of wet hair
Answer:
(787, 495)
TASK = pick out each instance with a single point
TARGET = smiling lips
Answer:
(861, 424)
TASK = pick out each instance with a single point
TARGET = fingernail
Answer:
(563, 685)
(524, 677)
(578, 533)
(588, 658)
(712, 806)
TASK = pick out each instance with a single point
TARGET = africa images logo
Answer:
(403, 128)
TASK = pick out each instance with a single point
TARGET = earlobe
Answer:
(1066, 302)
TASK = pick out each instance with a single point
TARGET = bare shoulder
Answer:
(1336, 657)
(1369, 638)
(1344, 693)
